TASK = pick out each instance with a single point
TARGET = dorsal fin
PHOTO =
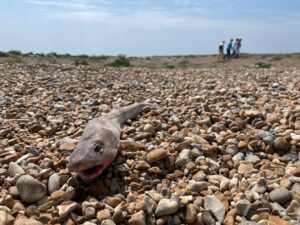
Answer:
(116, 106)
(124, 113)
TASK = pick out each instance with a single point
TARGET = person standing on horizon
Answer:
(221, 50)
(228, 50)
(235, 48)
(239, 45)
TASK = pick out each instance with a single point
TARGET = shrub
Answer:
(15, 52)
(42, 55)
(53, 54)
(82, 56)
(99, 57)
(170, 66)
(262, 65)
(276, 58)
(66, 55)
(81, 62)
(3, 54)
(184, 62)
(28, 54)
(121, 61)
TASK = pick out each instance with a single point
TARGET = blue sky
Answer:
(153, 27)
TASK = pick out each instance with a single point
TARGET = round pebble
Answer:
(166, 207)
(280, 195)
(30, 189)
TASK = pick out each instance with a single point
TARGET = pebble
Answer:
(113, 201)
(215, 206)
(3, 217)
(53, 183)
(252, 159)
(66, 208)
(190, 214)
(261, 186)
(103, 215)
(30, 189)
(138, 218)
(280, 195)
(296, 192)
(156, 155)
(249, 223)
(27, 222)
(108, 222)
(231, 149)
(131, 146)
(15, 169)
(207, 219)
(217, 150)
(183, 157)
(241, 206)
(166, 207)
(67, 147)
(245, 168)
(278, 221)
(281, 144)
(89, 213)
(195, 186)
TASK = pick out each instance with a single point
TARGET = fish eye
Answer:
(98, 148)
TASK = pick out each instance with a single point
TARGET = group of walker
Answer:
(232, 50)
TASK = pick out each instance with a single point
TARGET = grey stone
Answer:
(195, 186)
(280, 195)
(241, 206)
(215, 206)
(15, 169)
(53, 183)
(232, 149)
(261, 186)
(30, 189)
(207, 219)
(277, 208)
(166, 207)
(183, 157)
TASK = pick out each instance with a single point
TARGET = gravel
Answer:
(222, 147)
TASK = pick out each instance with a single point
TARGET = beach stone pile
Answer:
(221, 148)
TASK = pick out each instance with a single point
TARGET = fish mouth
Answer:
(90, 173)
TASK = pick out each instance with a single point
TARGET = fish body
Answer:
(99, 143)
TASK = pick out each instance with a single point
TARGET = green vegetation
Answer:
(82, 62)
(28, 54)
(170, 66)
(99, 57)
(15, 52)
(244, 56)
(120, 61)
(184, 63)
(3, 54)
(53, 55)
(42, 55)
(263, 65)
(277, 57)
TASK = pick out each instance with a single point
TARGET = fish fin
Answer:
(117, 106)
(151, 103)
